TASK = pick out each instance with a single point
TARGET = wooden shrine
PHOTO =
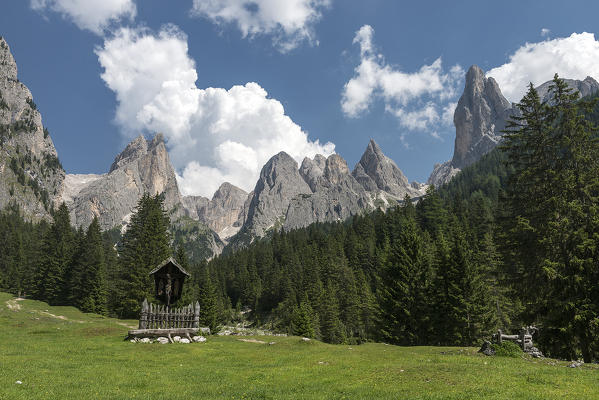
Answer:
(169, 278)
(157, 320)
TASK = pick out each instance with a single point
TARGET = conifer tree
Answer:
(331, 327)
(88, 278)
(145, 244)
(57, 256)
(207, 297)
(302, 321)
(400, 294)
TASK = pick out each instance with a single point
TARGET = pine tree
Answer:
(331, 327)
(189, 294)
(207, 297)
(88, 288)
(57, 256)
(145, 244)
(302, 321)
(401, 296)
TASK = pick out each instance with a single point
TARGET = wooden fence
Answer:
(162, 317)
(524, 339)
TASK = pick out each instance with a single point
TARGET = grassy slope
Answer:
(84, 356)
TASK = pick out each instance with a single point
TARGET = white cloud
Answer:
(545, 32)
(214, 135)
(91, 15)
(573, 57)
(289, 21)
(416, 98)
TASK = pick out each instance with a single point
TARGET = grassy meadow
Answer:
(61, 353)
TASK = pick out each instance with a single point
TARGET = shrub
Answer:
(507, 349)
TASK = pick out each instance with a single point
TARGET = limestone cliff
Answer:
(30, 173)
(144, 166)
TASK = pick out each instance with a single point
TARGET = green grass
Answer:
(84, 357)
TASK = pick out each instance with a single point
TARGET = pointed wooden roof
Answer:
(170, 260)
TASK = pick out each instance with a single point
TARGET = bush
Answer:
(507, 349)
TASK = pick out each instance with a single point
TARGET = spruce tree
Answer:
(302, 321)
(88, 288)
(145, 244)
(58, 247)
(207, 297)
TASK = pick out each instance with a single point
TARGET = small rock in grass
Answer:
(487, 349)
(19, 382)
(271, 343)
(176, 339)
(145, 340)
(132, 340)
(184, 340)
(162, 340)
(199, 339)
(305, 339)
(205, 330)
(575, 364)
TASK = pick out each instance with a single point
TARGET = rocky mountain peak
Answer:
(586, 87)
(143, 167)
(377, 171)
(312, 169)
(336, 169)
(30, 172)
(479, 118)
(134, 150)
(279, 182)
(227, 191)
(8, 65)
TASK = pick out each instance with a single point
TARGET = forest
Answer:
(509, 242)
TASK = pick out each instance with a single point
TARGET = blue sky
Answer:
(241, 80)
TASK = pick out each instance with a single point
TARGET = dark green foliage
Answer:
(507, 349)
(551, 220)
(88, 275)
(303, 321)
(55, 266)
(210, 312)
(145, 244)
(31, 103)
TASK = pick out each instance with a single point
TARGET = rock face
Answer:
(225, 213)
(376, 171)
(144, 166)
(322, 190)
(279, 182)
(336, 196)
(479, 118)
(30, 172)
(481, 115)
(585, 88)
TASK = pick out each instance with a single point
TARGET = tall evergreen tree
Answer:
(208, 299)
(58, 248)
(88, 278)
(145, 244)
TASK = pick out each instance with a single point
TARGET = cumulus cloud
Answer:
(94, 16)
(418, 99)
(214, 134)
(290, 22)
(573, 57)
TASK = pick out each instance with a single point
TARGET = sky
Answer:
(230, 83)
